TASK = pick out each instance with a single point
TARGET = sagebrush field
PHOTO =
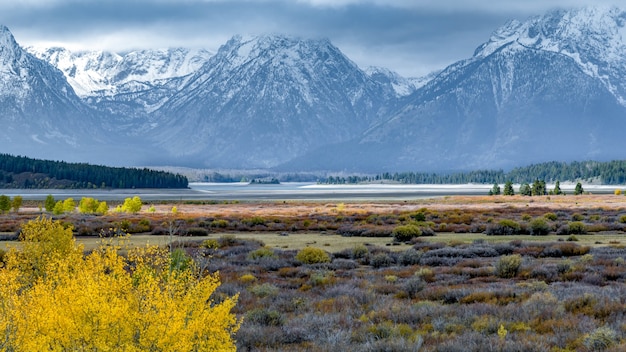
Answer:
(469, 274)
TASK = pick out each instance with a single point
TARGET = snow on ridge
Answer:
(594, 37)
(94, 73)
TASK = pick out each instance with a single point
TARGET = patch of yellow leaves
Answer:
(53, 297)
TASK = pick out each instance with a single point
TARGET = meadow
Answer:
(480, 274)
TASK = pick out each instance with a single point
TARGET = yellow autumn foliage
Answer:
(55, 298)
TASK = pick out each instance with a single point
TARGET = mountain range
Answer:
(552, 87)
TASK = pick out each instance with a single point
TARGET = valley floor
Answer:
(452, 289)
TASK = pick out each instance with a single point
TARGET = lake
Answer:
(283, 191)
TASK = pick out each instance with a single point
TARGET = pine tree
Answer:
(578, 190)
(49, 203)
(5, 203)
(525, 190)
(508, 189)
(495, 190)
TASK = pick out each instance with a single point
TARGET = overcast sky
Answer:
(412, 37)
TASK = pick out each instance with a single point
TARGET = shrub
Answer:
(405, 233)
(410, 257)
(508, 266)
(264, 290)
(550, 216)
(426, 274)
(359, 251)
(343, 264)
(312, 255)
(539, 227)
(381, 260)
(227, 241)
(262, 252)
(131, 205)
(265, 317)
(210, 243)
(600, 339)
(413, 286)
(622, 219)
(247, 278)
(256, 220)
(197, 231)
(504, 227)
(577, 227)
(221, 223)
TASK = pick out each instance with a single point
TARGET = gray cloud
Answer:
(409, 36)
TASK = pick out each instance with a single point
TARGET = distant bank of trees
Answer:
(610, 173)
(23, 172)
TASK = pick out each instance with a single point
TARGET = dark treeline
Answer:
(23, 172)
(610, 173)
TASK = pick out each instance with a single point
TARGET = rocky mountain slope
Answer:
(547, 89)
(39, 111)
(264, 100)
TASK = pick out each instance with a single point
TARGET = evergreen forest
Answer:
(609, 173)
(23, 172)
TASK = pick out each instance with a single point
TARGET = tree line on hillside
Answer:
(610, 173)
(23, 172)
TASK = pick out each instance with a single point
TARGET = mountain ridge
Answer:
(284, 102)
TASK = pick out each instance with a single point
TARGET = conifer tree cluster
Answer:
(23, 172)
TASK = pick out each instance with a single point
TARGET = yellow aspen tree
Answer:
(103, 301)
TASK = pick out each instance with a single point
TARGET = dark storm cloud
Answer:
(410, 36)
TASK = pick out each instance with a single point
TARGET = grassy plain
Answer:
(456, 289)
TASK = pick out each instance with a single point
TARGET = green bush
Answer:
(221, 223)
(264, 290)
(253, 221)
(197, 231)
(359, 251)
(405, 233)
(508, 266)
(504, 227)
(550, 216)
(381, 260)
(312, 255)
(262, 252)
(265, 317)
(539, 227)
(601, 339)
(577, 227)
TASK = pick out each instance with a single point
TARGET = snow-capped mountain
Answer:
(594, 37)
(552, 87)
(133, 83)
(264, 100)
(546, 89)
(39, 111)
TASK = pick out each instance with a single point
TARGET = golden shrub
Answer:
(103, 301)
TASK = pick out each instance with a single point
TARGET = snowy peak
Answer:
(595, 37)
(279, 96)
(400, 85)
(96, 73)
(279, 50)
(600, 29)
(11, 54)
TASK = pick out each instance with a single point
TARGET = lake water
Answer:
(286, 191)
